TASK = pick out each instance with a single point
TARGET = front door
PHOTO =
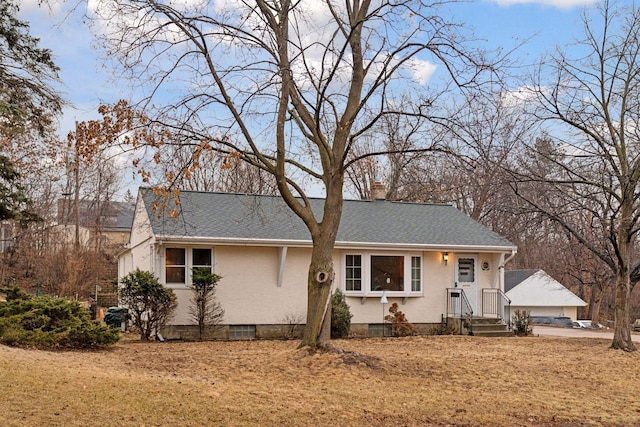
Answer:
(467, 278)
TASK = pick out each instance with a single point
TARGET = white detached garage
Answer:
(541, 294)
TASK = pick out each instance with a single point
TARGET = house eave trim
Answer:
(339, 245)
(233, 241)
(423, 247)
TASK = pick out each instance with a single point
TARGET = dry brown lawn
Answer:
(417, 381)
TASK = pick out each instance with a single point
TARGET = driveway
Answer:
(550, 331)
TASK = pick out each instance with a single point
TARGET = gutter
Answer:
(164, 239)
(509, 258)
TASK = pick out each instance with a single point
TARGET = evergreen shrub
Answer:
(340, 316)
(150, 304)
(45, 322)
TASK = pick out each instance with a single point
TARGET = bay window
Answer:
(416, 274)
(371, 274)
(353, 278)
(387, 273)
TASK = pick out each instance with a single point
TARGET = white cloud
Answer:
(33, 6)
(560, 4)
(421, 70)
(519, 97)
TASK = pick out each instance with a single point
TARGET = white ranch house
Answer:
(431, 259)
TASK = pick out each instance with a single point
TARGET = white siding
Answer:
(141, 228)
(138, 254)
(249, 291)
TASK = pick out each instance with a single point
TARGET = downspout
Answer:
(513, 253)
(158, 259)
(501, 273)
(501, 268)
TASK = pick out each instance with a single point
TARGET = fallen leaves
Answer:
(413, 381)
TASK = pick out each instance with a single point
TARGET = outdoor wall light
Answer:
(384, 300)
(445, 257)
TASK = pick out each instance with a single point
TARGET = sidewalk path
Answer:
(549, 331)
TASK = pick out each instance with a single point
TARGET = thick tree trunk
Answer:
(595, 302)
(320, 280)
(622, 333)
(317, 332)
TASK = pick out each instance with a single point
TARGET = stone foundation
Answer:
(270, 332)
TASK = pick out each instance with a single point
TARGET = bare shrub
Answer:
(522, 323)
(294, 323)
(400, 326)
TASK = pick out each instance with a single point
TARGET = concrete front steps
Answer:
(489, 327)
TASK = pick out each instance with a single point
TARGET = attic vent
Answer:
(378, 191)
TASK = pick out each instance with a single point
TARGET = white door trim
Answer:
(469, 280)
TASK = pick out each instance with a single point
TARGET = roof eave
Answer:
(428, 247)
(231, 241)
(234, 241)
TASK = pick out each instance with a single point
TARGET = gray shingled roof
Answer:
(513, 278)
(114, 215)
(240, 216)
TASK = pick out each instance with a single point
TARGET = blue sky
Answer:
(506, 23)
(86, 81)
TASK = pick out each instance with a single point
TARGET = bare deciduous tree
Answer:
(592, 101)
(219, 172)
(407, 149)
(286, 86)
(483, 131)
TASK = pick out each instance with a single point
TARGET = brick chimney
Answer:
(378, 191)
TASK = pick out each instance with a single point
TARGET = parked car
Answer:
(584, 324)
(553, 321)
(589, 324)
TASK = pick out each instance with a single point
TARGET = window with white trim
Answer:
(387, 273)
(466, 270)
(353, 278)
(373, 273)
(202, 259)
(175, 265)
(416, 274)
(179, 261)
